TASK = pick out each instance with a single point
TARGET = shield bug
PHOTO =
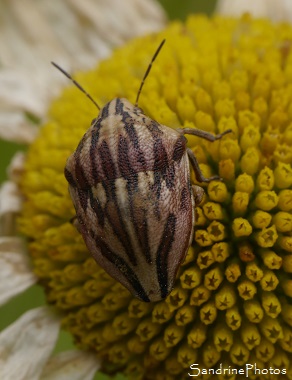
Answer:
(129, 180)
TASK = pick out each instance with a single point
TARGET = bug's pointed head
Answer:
(120, 106)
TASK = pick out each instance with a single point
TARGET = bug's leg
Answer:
(199, 175)
(198, 192)
(205, 135)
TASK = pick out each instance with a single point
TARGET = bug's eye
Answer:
(138, 111)
(179, 148)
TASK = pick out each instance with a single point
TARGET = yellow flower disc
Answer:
(232, 300)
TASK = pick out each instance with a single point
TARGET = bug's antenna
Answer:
(148, 71)
(76, 84)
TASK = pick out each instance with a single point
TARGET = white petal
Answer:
(16, 166)
(276, 10)
(16, 91)
(74, 33)
(71, 365)
(10, 198)
(15, 270)
(26, 345)
(15, 127)
(10, 205)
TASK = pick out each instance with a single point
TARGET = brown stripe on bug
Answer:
(114, 216)
(163, 252)
(163, 170)
(104, 112)
(97, 209)
(69, 177)
(129, 275)
(80, 174)
(78, 171)
(119, 107)
(107, 162)
(140, 222)
(139, 217)
(129, 127)
(95, 135)
(124, 164)
(136, 207)
(131, 177)
(179, 148)
(131, 201)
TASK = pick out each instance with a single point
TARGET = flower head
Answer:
(232, 299)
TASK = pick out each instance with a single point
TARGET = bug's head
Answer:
(130, 107)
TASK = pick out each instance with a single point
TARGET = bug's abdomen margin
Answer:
(134, 203)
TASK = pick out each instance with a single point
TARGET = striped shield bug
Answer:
(129, 180)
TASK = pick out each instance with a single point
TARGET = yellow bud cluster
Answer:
(232, 299)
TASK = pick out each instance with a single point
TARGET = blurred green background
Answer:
(34, 296)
